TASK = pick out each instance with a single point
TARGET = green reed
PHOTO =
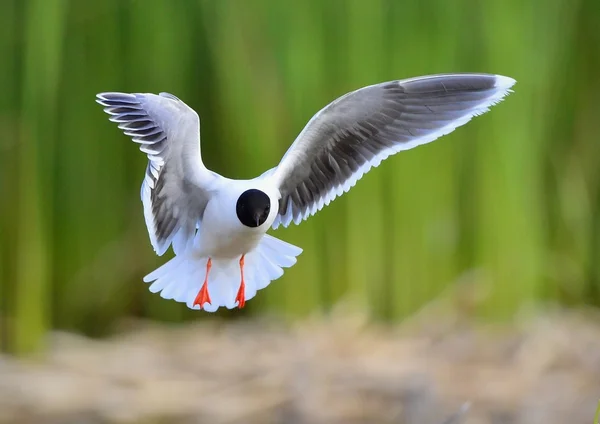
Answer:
(515, 194)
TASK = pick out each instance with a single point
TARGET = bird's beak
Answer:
(257, 219)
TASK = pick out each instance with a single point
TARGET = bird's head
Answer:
(253, 208)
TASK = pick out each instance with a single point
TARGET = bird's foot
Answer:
(241, 295)
(203, 296)
(241, 298)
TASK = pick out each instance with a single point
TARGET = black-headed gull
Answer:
(217, 226)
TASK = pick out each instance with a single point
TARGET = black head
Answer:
(253, 208)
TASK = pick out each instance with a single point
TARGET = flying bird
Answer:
(217, 226)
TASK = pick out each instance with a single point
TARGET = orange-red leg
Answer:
(241, 295)
(203, 296)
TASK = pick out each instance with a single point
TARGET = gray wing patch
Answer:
(360, 129)
(172, 198)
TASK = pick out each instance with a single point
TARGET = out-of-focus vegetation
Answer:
(514, 195)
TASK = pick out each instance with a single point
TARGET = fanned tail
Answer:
(182, 277)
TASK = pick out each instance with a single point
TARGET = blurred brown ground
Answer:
(544, 368)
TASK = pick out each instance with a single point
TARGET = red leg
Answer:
(203, 296)
(241, 295)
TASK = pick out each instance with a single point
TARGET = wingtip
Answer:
(109, 95)
(103, 95)
(103, 99)
(504, 83)
(100, 99)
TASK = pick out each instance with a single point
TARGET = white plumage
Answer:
(217, 226)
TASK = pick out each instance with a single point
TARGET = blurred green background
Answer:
(509, 203)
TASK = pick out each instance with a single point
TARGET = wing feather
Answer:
(360, 129)
(174, 191)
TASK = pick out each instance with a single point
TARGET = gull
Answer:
(217, 226)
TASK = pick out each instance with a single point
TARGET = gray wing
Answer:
(360, 129)
(174, 191)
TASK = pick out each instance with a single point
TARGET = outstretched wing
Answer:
(173, 192)
(360, 129)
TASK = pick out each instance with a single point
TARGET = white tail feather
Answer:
(181, 278)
